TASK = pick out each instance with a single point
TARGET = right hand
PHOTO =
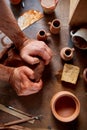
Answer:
(32, 49)
(21, 80)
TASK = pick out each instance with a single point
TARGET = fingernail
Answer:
(36, 61)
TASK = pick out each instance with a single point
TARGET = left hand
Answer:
(33, 49)
(21, 81)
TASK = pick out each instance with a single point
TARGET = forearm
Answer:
(9, 26)
(5, 72)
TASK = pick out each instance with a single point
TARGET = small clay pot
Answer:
(42, 35)
(85, 75)
(54, 26)
(49, 6)
(65, 106)
(66, 53)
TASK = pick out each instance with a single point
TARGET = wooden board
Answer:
(78, 12)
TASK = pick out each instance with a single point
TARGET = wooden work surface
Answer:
(40, 103)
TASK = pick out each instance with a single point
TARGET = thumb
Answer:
(31, 60)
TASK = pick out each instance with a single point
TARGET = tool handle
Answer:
(17, 121)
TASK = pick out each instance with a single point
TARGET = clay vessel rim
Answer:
(39, 33)
(47, 6)
(55, 20)
(68, 49)
(65, 56)
(74, 98)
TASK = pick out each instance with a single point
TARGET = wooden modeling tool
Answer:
(16, 114)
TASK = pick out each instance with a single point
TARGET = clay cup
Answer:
(66, 53)
(42, 35)
(54, 26)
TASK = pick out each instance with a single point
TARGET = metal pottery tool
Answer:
(19, 111)
(38, 117)
(19, 114)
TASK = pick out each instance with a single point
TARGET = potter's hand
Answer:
(32, 49)
(21, 80)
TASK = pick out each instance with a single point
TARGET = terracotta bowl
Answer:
(65, 106)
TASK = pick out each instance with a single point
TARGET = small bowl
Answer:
(65, 106)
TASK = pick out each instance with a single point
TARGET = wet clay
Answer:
(65, 106)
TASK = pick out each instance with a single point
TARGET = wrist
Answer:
(10, 73)
(26, 41)
(5, 72)
(19, 43)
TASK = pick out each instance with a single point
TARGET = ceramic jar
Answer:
(42, 35)
(54, 26)
(48, 6)
(65, 106)
(66, 53)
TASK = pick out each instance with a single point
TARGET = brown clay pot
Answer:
(66, 53)
(42, 35)
(85, 75)
(49, 6)
(65, 106)
(54, 26)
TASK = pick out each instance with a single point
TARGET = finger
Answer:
(56, 1)
(36, 86)
(27, 82)
(30, 59)
(23, 91)
(29, 88)
(50, 53)
(45, 53)
(27, 73)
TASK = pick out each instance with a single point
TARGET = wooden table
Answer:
(40, 103)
